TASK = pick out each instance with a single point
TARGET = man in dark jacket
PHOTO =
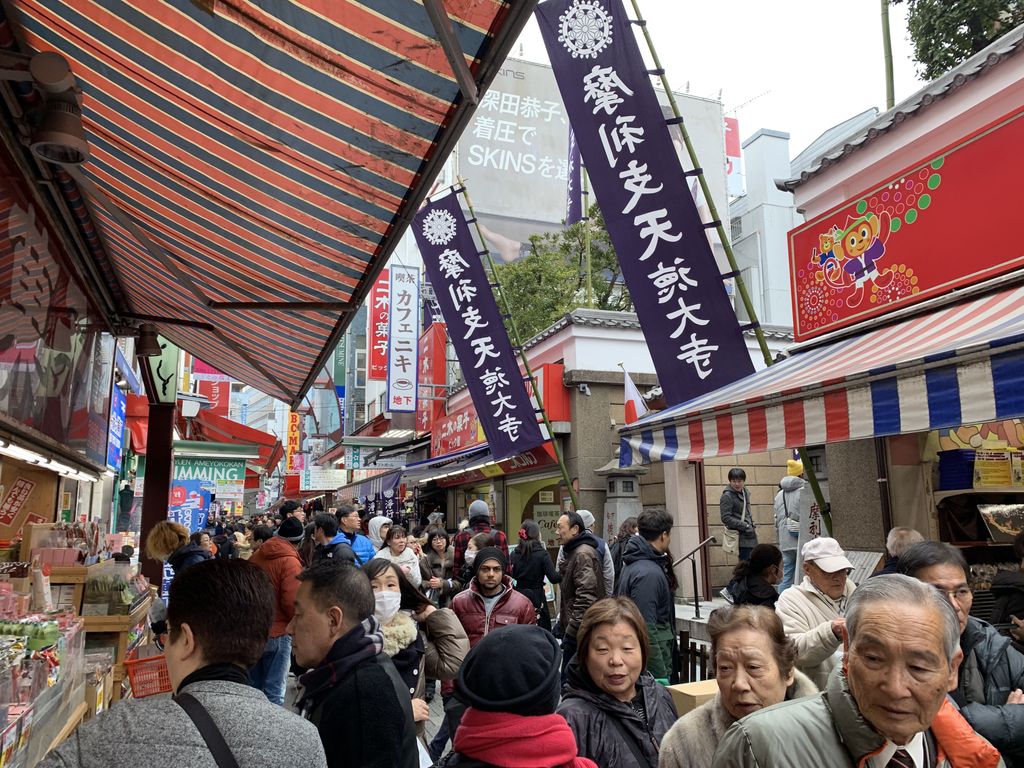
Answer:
(735, 511)
(352, 693)
(330, 543)
(991, 675)
(582, 580)
(279, 559)
(479, 522)
(645, 581)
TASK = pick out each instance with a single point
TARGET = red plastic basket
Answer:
(148, 677)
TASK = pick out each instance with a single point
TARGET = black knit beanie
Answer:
(490, 553)
(514, 669)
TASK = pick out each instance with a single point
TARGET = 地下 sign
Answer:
(403, 338)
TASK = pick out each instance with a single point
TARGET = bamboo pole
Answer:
(517, 341)
(723, 237)
(586, 237)
(890, 86)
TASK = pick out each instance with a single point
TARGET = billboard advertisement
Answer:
(935, 227)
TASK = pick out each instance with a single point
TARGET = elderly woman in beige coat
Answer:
(754, 666)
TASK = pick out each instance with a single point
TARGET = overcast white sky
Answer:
(798, 66)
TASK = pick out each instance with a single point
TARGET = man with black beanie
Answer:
(509, 682)
(489, 603)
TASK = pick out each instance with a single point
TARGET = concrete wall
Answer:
(855, 496)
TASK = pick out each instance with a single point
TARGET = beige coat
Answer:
(807, 617)
(692, 741)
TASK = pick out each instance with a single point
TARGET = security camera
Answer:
(584, 389)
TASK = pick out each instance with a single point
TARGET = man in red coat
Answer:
(279, 559)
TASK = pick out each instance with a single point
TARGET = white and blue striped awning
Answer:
(963, 364)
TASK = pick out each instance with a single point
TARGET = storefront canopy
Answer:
(963, 364)
(254, 164)
(210, 426)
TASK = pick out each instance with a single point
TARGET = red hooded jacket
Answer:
(279, 559)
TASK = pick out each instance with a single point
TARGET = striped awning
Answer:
(963, 364)
(253, 164)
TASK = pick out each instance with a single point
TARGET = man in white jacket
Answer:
(812, 611)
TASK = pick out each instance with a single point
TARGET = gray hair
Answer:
(904, 590)
(900, 540)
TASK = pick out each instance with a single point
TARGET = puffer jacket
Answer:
(787, 500)
(187, 555)
(828, 730)
(511, 608)
(691, 742)
(990, 671)
(279, 559)
(645, 582)
(582, 581)
(592, 715)
(732, 508)
(443, 567)
(807, 617)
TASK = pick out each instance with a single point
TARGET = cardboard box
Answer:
(689, 696)
(992, 469)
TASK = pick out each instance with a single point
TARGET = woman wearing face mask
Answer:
(397, 550)
(421, 640)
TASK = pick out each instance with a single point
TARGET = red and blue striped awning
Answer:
(963, 364)
(254, 163)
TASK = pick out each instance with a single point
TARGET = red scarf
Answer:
(497, 738)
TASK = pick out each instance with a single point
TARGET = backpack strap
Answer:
(211, 734)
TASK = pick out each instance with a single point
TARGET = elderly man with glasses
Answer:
(991, 676)
(812, 611)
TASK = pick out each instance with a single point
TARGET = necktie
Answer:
(901, 759)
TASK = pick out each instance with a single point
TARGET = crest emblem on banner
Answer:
(586, 29)
(438, 227)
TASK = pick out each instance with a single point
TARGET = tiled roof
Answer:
(974, 67)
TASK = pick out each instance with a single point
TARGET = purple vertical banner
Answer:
(573, 184)
(476, 329)
(403, 338)
(669, 267)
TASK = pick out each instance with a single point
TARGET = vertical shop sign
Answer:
(403, 338)
(293, 447)
(115, 438)
(733, 157)
(377, 329)
(339, 373)
(476, 328)
(431, 378)
(669, 267)
(218, 392)
(15, 499)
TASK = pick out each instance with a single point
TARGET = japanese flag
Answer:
(635, 407)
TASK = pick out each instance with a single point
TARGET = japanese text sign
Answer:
(669, 267)
(455, 431)
(920, 234)
(573, 185)
(15, 499)
(377, 329)
(115, 439)
(476, 328)
(403, 338)
(432, 377)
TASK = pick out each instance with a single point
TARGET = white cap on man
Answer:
(826, 554)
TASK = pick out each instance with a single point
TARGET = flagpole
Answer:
(517, 342)
(741, 286)
(586, 236)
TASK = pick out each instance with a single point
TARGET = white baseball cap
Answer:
(826, 554)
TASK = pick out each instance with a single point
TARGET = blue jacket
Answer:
(360, 544)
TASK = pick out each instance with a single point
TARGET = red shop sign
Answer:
(939, 225)
(377, 329)
(458, 430)
(431, 378)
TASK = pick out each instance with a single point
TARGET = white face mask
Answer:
(470, 556)
(387, 606)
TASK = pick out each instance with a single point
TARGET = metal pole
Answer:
(890, 88)
(696, 588)
(514, 334)
(741, 286)
(586, 238)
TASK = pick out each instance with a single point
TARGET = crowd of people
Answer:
(369, 616)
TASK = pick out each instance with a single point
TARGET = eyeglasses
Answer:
(960, 594)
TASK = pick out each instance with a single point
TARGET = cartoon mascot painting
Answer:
(849, 257)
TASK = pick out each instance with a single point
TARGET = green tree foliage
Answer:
(947, 32)
(551, 280)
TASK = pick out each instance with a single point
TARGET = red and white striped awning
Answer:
(963, 364)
